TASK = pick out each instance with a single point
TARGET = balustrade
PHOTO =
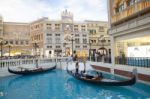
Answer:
(20, 62)
(129, 11)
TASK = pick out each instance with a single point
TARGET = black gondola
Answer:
(102, 81)
(25, 71)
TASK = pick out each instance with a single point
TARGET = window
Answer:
(57, 46)
(84, 41)
(93, 41)
(49, 40)
(48, 24)
(49, 34)
(137, 1)
(84, 35)
(57, 26)
(37, 26)
(77, 40)
(37, 37)
(27, 42)
(21, 42)
(11, 42)
(77, 46)
(84, 46)
(16, 42)
(57, 40)
(49, 46)
(131, 2)
(49, 28)
(75, 27)
(57, 34)
(92, 32)
(77, 35)
(121, 7)
(101, 29)
(83, 27)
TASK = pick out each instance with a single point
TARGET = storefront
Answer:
(135, 52)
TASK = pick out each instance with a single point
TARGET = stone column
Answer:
(113, 49)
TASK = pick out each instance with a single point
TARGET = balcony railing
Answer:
(134, 61)
(131, 10)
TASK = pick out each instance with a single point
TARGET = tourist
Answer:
(97, 77)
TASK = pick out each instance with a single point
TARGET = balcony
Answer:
(100, 44)
(133, 11)
(139, 23)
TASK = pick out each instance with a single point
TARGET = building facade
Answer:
(1, 26)
(60, 37)
(16, 38)
(49, 38)
(98, 36)
(130, 28)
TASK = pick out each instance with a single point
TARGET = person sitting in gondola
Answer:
(97, 77)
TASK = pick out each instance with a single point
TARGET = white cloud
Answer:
(29, 10)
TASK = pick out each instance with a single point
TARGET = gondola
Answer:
(102, 81)
(25, 71)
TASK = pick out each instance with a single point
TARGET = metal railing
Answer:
(134, 61)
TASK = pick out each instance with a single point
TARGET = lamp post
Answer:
(72, 40)
(9, 48)
(2, 42)
(72, 45)
(90, 49)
